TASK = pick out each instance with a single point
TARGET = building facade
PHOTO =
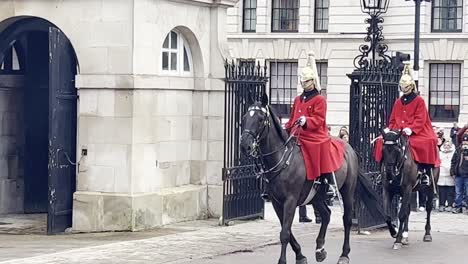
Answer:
(146, 145)
(281, 33)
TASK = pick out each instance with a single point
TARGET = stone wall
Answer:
(11, 144)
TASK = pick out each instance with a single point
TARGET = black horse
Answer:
(280, 157)
(400, 176)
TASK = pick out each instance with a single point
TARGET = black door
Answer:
(36, 116)
(62, 131)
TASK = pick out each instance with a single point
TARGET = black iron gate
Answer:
(374, 90)
(244, 84)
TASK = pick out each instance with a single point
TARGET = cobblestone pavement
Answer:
(208, 241)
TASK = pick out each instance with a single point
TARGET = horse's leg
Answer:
(403, 215)
(300, 258)
(348, 201)
(325, 212)
(387, 201)
(429, 206)
(405, 240)
(289, 209)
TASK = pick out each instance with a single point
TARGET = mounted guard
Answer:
(322, 154)
(410, 115)
(292, 166)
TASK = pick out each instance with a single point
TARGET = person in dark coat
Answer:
(459, 169)
(453, 133)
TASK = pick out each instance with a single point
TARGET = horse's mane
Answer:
(277, 124)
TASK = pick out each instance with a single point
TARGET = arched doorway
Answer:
(38, 141)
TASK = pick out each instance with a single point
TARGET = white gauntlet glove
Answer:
(407, 131)
(302, 120)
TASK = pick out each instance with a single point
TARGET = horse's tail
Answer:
(370, 198)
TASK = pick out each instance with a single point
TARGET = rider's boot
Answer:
(329, 184)
(423, 174)
(264, 194)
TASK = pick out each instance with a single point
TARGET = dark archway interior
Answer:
(24, 84)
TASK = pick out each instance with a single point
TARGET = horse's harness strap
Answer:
(401, 162)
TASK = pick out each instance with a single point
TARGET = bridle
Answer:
(257, 154)
(398, 166)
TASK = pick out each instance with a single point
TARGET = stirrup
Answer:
(425, 180)
(265, 196)
(331, 192)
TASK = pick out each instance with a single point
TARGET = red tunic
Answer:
(423, 140)
(321, 153)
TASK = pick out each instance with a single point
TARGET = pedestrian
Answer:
(440, 138)
(453, 133)
(459, 169)
(446, 181)
(462, 131)
(344, 134)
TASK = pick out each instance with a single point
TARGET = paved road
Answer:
(205, 243)
(376, 248)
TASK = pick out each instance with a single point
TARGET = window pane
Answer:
(173, 40)
(166, 42)
(173, 61)
(186, 61)
(444, 91)
(165, 61)
(283, 86)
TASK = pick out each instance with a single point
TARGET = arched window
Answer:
(176, 56)
(11, 61)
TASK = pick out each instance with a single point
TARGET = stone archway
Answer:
(41, 140)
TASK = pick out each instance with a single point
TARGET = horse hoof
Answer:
(301, 261)
(320, 255)
(343, 260)
(405, 241)
(397, 246)
(427, 238)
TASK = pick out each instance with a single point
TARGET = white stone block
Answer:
(182, 173)
(106, 102)
(123, 103)
(120, 60)
(215, 129)
(87, 212)
(216, 104)
(117, 212)
(147, 211)
(215, 150)
(144, 176)
(96, 60)
(145, 60)
(97, 179)
(112, 34)
(117, 10)
(143, 130)
(88, 103)
(214, 172)
(215, 200)
(108, 130)
(197, 128)
(143, 103)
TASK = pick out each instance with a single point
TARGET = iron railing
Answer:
(245, 83)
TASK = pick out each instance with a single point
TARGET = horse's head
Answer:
(255, 124)
(393, 152)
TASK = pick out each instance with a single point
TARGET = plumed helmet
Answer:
(309, 72)
(406, 77)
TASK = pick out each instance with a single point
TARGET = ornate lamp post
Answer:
(375, 48)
